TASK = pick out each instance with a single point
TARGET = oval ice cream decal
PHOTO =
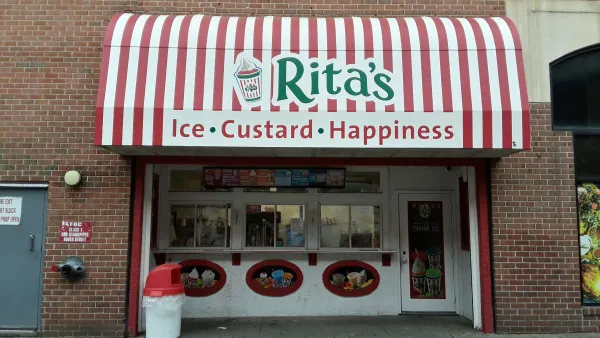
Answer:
(248, 76)
(275, 278)
(201, 278)
(351, 278)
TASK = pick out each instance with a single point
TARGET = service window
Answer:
(275, 226)
(200, 225)
(350, 226)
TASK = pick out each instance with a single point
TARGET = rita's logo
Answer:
(249, 79)
(305, 82)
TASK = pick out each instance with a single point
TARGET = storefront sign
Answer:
(588, 201)
(351, 278)
(274, 278)
(257, 177)
(339, 130)
(426, 242)
(75, 232)
(10, 210)
(202, 278)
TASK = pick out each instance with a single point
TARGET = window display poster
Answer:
(588, 200)
(217, 177)
(258, 177)
(426, 242)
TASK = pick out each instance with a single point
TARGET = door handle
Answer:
(31, 241)
(404, 259)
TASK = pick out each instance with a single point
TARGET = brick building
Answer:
(513, 218)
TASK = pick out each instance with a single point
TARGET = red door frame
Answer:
(482, 188)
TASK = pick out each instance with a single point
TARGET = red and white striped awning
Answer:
(161, 75)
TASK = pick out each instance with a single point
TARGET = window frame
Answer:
(350, 247)
(239, 200)
(275, 199)
(195, 204)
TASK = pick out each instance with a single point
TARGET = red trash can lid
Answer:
(164, 280)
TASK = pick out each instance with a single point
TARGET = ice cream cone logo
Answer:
(249, 79)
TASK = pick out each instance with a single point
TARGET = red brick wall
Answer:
(535, 241)
(49, 66)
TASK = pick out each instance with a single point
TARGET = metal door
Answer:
(22, 228)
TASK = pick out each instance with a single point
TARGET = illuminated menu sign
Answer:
(258, 177)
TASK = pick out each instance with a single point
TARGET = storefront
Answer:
(322, 166)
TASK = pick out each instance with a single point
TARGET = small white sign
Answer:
(10, 210)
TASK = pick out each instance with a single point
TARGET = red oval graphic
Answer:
(202, 278)
(274, 278)
(350, 278)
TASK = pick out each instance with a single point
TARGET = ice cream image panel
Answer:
(418, 267)
(193, 278)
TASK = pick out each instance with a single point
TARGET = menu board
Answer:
(263, 177)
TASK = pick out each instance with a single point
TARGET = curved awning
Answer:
(424, 82)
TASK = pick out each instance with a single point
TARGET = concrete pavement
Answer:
(346, 327)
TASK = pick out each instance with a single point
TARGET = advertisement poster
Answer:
(201, 278)
(274, 278)
(426, 242)
(588, 198)
(259, 177)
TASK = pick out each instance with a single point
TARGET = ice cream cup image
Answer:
(418, 275)
(263, 279)
(434, 282)
(208, 277)
(217, 173)
(338, 280)
(249, 79)
(277, 277)
(287, 279)
(362, 277)
(192, 279)
(353, 279)
(433, 256)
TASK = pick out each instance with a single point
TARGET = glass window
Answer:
(345, 226)
(189, 180)
(275, 225)
(358, 182)
(200, 225)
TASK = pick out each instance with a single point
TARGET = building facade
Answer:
(511, 242)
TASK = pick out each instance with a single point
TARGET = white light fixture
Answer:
(72, 178)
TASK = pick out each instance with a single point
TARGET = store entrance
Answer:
(426, 252)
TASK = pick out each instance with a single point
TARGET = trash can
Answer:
(163, 299)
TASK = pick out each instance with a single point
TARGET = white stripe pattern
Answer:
(462, 36)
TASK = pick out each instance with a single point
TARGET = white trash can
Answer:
(164, 295)
(163, 316)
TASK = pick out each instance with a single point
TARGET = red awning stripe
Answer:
(153, 64)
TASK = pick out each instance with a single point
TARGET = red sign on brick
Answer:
(75, 232)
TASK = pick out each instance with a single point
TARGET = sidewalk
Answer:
(345, 327)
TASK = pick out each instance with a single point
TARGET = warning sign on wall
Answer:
(75, 232)
(10, 210)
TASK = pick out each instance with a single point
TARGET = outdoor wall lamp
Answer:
(72, 178)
